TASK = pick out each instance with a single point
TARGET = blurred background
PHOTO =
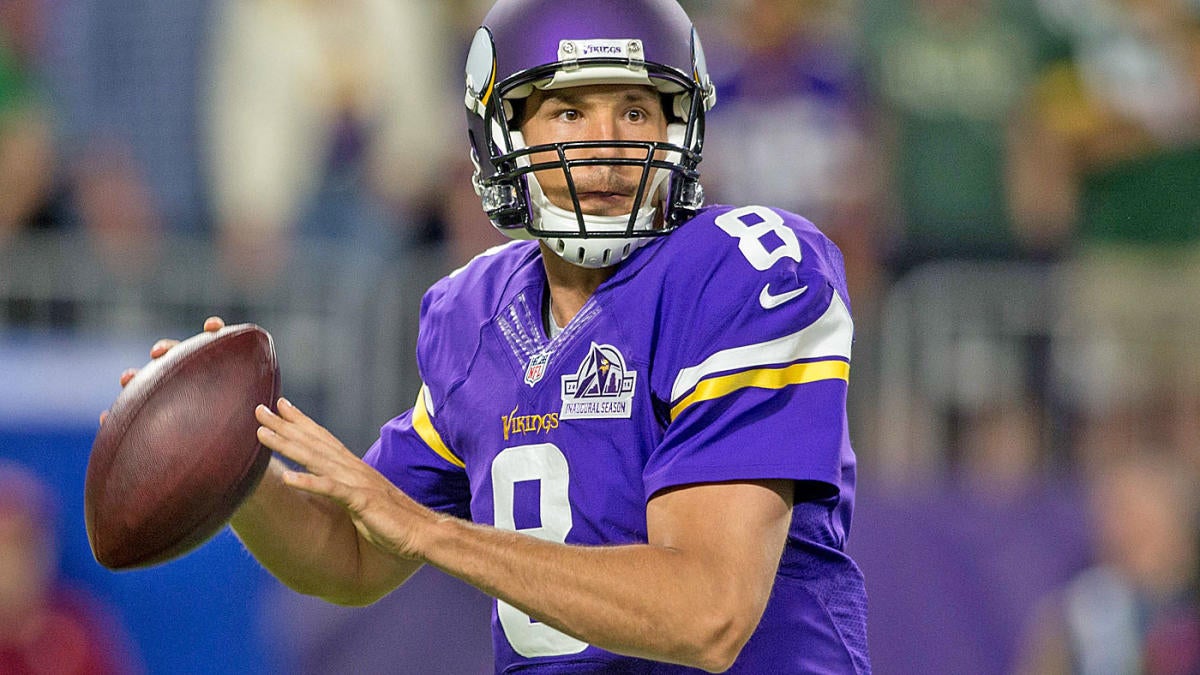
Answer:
(1015, 185)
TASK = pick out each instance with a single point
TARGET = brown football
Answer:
(179, 449)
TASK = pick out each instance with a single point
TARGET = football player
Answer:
(632, 430)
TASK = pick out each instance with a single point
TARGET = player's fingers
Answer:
(286, 441)
(304, 441)
(317, 485)
(273, 422)
(276, 441)
(128, 375)
(310, 437)
(213, 324)
(288, 411)
(162, 347)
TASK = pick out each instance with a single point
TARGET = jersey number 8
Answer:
(547, 465)
(749, 225)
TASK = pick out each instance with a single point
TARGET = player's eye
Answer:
(636, 115)
(568, 115)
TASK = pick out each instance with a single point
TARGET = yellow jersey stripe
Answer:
(764, 378)
(827, 337)
(424, 428)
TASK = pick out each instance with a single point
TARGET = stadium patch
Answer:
(602, 387)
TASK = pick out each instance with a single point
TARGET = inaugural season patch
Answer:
(602, 387)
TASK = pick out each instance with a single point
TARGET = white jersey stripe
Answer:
(828, 336)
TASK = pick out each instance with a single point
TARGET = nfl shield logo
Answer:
(536, 368)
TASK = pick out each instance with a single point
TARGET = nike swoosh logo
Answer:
(769, 300)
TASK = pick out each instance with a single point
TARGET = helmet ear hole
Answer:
(676, 133)
(682, 106)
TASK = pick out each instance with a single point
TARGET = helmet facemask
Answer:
(665, 183)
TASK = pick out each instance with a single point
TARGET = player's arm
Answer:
(309, 543)
(312, 545)
(693, 594)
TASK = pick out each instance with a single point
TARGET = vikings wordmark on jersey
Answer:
(517, 425)
(718, 353)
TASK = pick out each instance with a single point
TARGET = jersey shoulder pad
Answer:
(752, 255)
(748, 293)
(454, 310)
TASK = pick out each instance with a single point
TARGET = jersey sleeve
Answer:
(412, 451)
(759, 392)
(411, 454)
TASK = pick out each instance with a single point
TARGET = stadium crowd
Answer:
(1029, 169)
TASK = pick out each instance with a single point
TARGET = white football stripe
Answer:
(828, 336)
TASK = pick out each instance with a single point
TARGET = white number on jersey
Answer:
(547, 465)
(749, 225)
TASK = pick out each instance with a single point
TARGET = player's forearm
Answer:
(312, 546)
(641, 600)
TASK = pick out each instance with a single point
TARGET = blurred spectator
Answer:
(125, 75)
(45, 627)
(1136, 611)
(26, 149)
(791, 128)
(952, 78)
(1127, 103)
(970, 180)
(324, 118)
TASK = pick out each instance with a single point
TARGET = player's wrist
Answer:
(426, 531)
(436, 537)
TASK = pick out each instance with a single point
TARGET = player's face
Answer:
(594, 113)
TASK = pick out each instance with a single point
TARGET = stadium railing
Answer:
(344, 320)
(959, 338)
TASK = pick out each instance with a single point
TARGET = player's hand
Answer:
(211, 325)
(381, 512)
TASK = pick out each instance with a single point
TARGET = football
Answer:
(179, 450)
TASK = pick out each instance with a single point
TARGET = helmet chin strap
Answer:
(592, 252)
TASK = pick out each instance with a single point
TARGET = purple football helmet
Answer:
(525, 45)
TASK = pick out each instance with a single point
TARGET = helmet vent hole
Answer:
(562, 246)
(607, 255)
(582, 254)
(625, 252)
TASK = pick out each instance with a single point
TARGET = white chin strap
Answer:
(596, 252)
(592, 252)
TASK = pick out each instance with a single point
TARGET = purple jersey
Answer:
(720, 352)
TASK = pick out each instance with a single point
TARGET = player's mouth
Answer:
(605, 196)
(605, 203)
